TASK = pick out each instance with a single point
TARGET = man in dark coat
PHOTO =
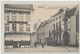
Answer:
(42, 45)
(42, 42)
(35, 44)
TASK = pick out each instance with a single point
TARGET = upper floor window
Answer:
(13, 18)
(7, 17)
(59, 17)
(27, 24)
(56, 18)
(65, 25)
(27, 17)
(21, 27)
(6, 27)
(21, 18)
(14, 27)
(54, 26)
(27, 28)
(59, 23)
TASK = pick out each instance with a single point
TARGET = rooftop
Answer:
(19, 6)
(60, 10)
(46, 22)
(70, 12)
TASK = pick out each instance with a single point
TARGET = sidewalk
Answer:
(45, 49)
(72, 49)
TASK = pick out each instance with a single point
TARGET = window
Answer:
(54, 26)
(14, 27)
(7, 18)
(27, 24)
(65, 25)
(59, 17)
(27, 17)
(6, 27)
(56, 18)
(59, 23)
(14, 18)
(27, 28)
(21, 27)
(21, 17)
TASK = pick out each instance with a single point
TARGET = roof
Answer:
(47, 21)
(19, 6)
(60, 10)
(70, 12)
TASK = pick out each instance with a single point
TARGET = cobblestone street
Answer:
(45, 49)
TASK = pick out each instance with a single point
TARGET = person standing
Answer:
(18, 45)
(42, 42)
(42, 45)
(35, 44)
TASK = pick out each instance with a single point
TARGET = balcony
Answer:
(24, 22)
(17, 32)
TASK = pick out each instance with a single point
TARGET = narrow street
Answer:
(45, 49)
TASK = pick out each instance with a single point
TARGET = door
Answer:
(66, 38)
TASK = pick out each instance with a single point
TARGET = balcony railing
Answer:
(17, 22)
(17, 32)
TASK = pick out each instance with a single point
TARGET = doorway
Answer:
(66, 38)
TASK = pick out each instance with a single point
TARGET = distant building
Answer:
(36, 25)
(33, 38)
(41, 33)
(34, 34)
(17, 22)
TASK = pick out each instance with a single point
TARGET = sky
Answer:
(45, 11)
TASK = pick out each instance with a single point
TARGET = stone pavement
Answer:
(45, 49)
(72, 49)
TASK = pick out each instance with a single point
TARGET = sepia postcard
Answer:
(40, 27)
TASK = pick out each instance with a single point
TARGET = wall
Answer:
(73, 31)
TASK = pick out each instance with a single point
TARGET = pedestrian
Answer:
(63, 43)
(18, 44)
(35, 44)
(42, 45)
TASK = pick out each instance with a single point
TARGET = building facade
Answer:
(46, 29)
(61, 28)
(71, 21)
(17, 23)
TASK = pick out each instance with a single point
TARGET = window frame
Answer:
(6, 27)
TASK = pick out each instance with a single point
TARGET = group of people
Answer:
(36, 43)
(17, 45)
